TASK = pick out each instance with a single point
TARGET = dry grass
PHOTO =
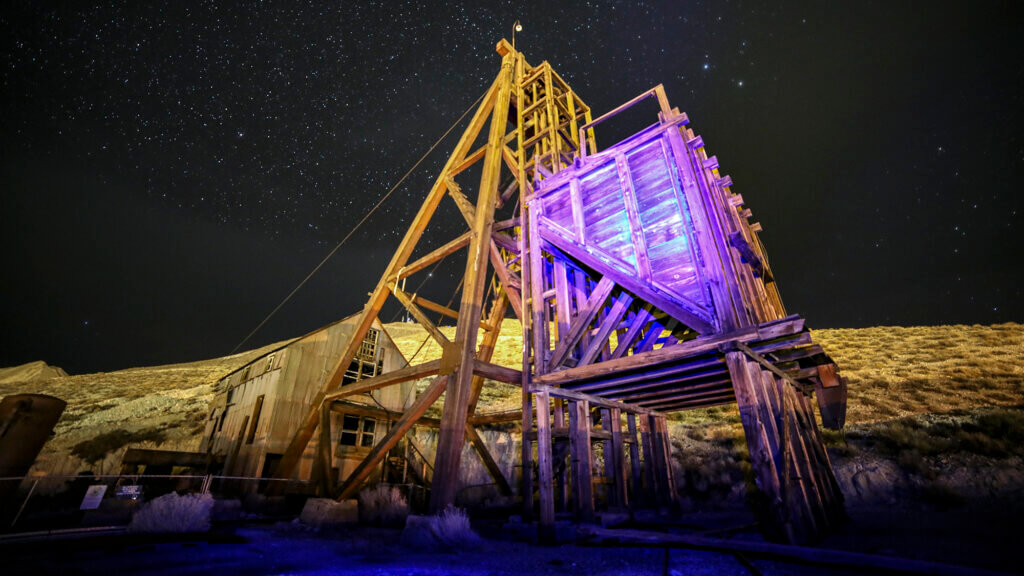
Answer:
(173, 513)
(383, 505)
(896, 372)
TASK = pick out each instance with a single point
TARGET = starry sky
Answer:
(171, 170)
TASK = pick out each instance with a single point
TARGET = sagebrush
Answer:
(383, 505)
(174, 513)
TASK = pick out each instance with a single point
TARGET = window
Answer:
(231, 394)
(357, 431)
(369, 359)
(270, 363)
(223, 416)
(245, 374)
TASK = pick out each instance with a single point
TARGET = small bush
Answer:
(173, 513)
(383, 505)
(449, 530)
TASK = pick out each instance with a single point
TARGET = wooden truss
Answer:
(642, 288)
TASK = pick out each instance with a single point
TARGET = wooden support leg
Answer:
(634, 459)
(659, 462)
(562, 493)
(527, 454)
(324, 454)
(488, 460)
(582, 464)
(746, 381)
(544, 477)
(666, 451)
(650, 478)
(609, 463)
(618, 457)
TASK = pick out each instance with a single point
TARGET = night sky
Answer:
(170, 171)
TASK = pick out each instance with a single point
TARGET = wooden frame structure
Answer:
(642, 288)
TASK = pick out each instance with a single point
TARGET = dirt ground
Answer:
(284, 549)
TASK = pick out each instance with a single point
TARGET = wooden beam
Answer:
(665, 302)
(465, 206)
(420, 317)
(344, 407)
(634, 458)
(496, 372)
(324, 453)
(595, 400)
(582, 464)
(433, 257)
(394, 434)
(599, 340)
(643, 317)
(545, 475)
(488, 461)
(581, 322)
(787, 326)
(618, 458)
(456, 404)
(387, 379)
(509, 285)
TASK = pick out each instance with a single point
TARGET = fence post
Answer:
(27, 496)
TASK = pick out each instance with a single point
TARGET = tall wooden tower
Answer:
(642, 288)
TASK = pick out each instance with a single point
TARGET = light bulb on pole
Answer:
(517, 27)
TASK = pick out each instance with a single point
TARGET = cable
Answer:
(351, 232)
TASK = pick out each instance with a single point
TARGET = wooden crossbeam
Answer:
(433, 257)
(488, 460)
(394, 434)
(783, 327)
(420, 317)
(344, 407)
(642, 318)
(600, 339)
(465, 206)
(387, 379)
(581, 322)
(509, 282)
(593, 400)
(496, 372)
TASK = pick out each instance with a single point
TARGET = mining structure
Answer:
(642, 288)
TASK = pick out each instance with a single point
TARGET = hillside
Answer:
(916, 394)
(31, 372)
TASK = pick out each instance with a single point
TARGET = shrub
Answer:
(173, 513)
(449, 530)
(383, 505)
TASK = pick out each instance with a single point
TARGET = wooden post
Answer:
(618, 457)
(670, 477)
(582, 465)
(650, 477)
(544, 477)
(457, 397)
(527, 450)
(562, 494)
(324, 454)
(609, 462)
(634, 458)
(746, 380)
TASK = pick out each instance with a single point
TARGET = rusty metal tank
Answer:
(26, 421)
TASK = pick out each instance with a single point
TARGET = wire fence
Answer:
(31, 503)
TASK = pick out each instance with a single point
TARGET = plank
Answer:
(433, 257)
(634, 458)
(581, 322)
